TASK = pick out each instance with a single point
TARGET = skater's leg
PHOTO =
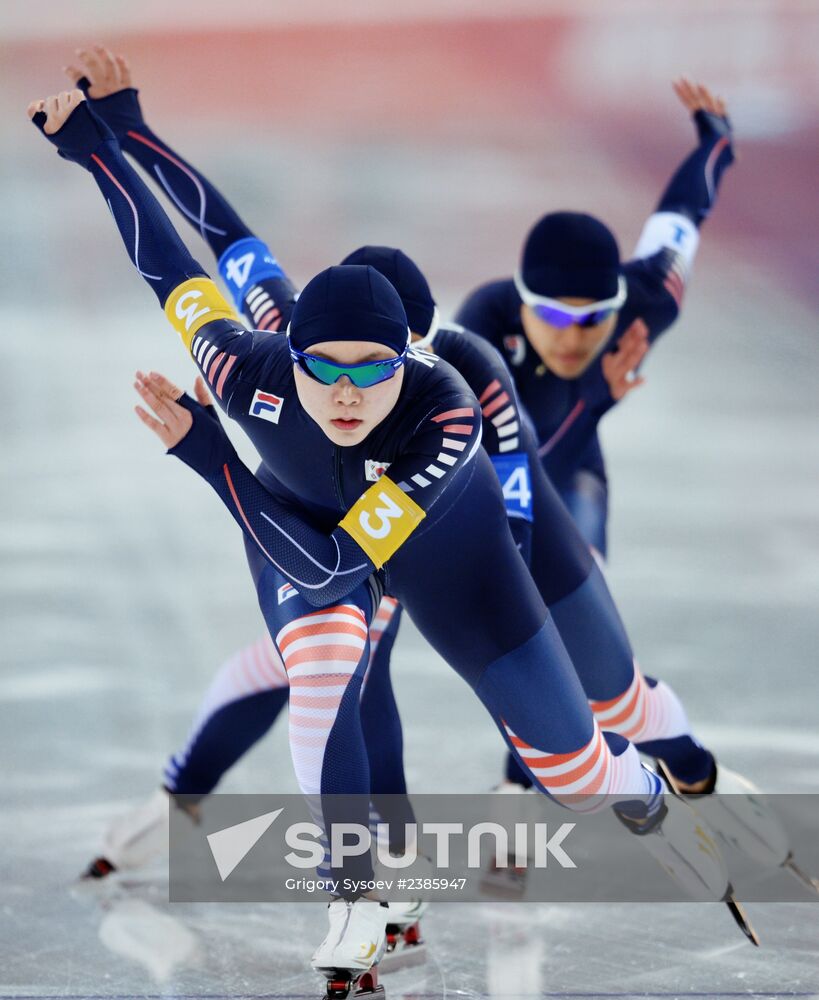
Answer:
(382, 731)
(559, 745)
(514, 774)
(243, 701)
(379, 712)
(646, 712)
(586, 497)
(390, 807)
(241, 704)
(499, 636)
(325, 652)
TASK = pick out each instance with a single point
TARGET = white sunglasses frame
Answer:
(532, 299)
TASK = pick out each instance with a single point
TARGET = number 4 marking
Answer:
(238, 269)
(517, 488)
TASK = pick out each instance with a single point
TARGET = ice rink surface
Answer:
(124, 584)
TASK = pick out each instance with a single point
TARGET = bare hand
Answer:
(697, 97)
(106, 72)
(172, 421)
(618, 366)
(57, 108)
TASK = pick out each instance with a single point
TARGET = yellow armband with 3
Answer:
(382, 520)
(194, 303)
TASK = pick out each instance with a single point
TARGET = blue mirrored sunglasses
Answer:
(561, 315)
(363, 376)
(561, 319)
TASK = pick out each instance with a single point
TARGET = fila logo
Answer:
(188, 313)
(373, 470)
(285, 592)
(516, 346)
(266, 406)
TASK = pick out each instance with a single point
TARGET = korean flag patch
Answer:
(516, 346)
(373, 470)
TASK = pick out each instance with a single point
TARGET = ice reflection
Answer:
(136, 930)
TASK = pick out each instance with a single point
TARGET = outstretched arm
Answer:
(692, 191)
(218, 342)
(259, 287)
(323, 567)
(154, 247)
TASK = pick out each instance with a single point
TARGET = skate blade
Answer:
(738, 913)
(341, 984)
(801, 876)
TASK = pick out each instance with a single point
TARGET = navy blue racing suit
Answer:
(432, 529)
(565, 412)
(566, 576)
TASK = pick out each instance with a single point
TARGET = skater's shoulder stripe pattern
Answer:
(499, 406)
(451, 447)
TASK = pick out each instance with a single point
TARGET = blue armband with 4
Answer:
(513, 472)
(245, 263)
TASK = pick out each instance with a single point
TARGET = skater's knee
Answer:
(332, 641)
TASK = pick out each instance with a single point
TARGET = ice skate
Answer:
(405, 946)
(353, 946)
(685, 847)
(737, 812)
(406, 912)
(135, 839)
(405, 943)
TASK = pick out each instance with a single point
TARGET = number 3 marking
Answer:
(384, 514)
(188, 312)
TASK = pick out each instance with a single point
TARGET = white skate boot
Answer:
(737, 812)
(135, 839)
(352, 948)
